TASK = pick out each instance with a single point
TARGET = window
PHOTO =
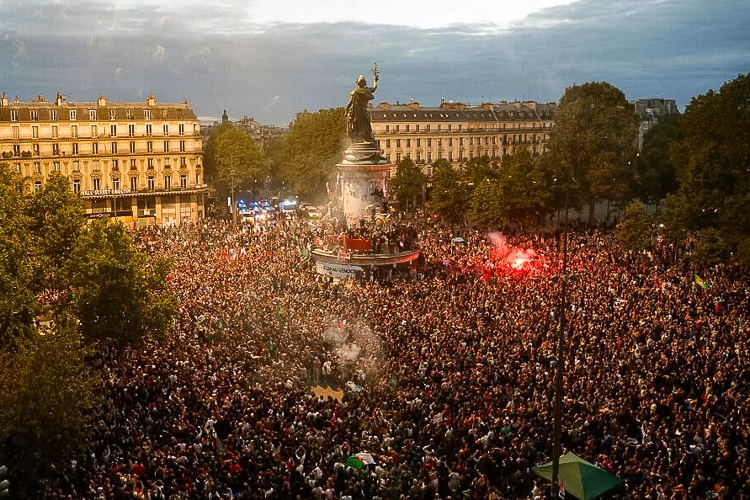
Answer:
(429, 142)
(167, 182)
(132, 147)
(34, 115)
(149, 132)
(53, 115)
(150, 163)
(419, 141)
(428, 127)
(416, 128)
(35, 131)
(147, 115)
(92, 114)
(408, 143)
(116, 184)
(133, 165)
(182, 146)
(76, 186)
(398, 143)
(129, 113)
(113, 130)
(112, 114)
(407, 128)
(95, 165)
(94, 131)
(397, 127)
(95, 148)
(16, 150)
(450, 142)
(134, 184)
(37, 167)
(181, 128)
(72, 114)
(388, 143)
(150, 147)
(37, 186)
(76, 166)
(114, 148)
(398, 157)
(36, 150)
(183, 181)
(165, 129)
(74, 131)
(115, 165)
(14, 115)
(97, 184)
(166, 146)
(387, 128)
(197, 178)
(131, 130)
(183, 162)
(17, 167)
(54, 132)
(16, 131)
(75, 148)
(151, 183)
(56, 166)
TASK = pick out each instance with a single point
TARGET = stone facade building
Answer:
(140, 162)
(458, 132)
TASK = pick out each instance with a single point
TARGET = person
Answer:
(358, 127)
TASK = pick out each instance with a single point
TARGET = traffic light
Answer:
(4, 483)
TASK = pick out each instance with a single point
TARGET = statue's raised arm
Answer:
(358, 127)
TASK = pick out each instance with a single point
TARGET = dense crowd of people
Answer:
(444, 380)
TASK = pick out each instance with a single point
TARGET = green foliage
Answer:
(408, 184)
(656, 173)
(592, 144)
(57, 218)
(450, 197)
(479, 169)
(18, 270)
(634, 233)
(710, 248)
(487, 208)
(310, 151)
(238, 158)
(711, 162)
(47, 393)
(119, 298)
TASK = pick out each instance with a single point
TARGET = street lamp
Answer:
(234, 207)
(557, 416)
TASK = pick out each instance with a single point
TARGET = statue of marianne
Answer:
(358, 127)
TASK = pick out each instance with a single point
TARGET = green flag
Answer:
(700, 282)
(355, 462)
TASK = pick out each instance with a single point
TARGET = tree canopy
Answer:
(408, 184)
(592, 144)
(310, 152)
(712, 164)
(450, 196)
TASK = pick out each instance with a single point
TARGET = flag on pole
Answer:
(700, 282)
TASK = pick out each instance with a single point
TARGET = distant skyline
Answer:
(270, 59)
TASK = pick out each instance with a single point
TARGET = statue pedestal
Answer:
(363, 175)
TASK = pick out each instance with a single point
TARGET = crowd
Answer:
(446, 378)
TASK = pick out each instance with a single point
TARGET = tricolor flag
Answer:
(561, 492)
(700, 282)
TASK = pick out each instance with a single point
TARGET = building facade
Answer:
(458, 133)
(140, 162)
(649, 111)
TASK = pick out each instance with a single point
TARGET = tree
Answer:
(487, 208)
(408, 184)
(656, 173)
(47, 394)
(313, 147)
(479, 169)
(592, 144)
(18, 270)
(119, 297)
(634, 233)
(711, 162)
(524, 190)
(238, 159)
(57, 219)
(450, 197)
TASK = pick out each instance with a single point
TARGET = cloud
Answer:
(216, 57)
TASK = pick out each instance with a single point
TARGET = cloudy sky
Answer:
(269, 59)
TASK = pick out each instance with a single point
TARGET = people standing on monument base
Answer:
(450, 394)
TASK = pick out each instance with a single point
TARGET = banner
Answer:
(337, 270)
(357, 244)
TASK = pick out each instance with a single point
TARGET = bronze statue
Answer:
(358, 127)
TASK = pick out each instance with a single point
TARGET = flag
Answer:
(700, 282)
(270, 345)
(355, 462)
(561, 492)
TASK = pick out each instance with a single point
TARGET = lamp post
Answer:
(234, 206)
(557, 415)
